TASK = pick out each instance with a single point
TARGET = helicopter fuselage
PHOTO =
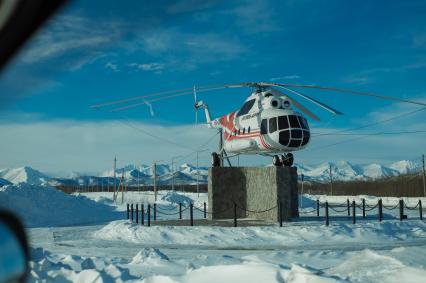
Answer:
(265, 124)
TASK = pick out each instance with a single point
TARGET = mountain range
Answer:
(187, 174)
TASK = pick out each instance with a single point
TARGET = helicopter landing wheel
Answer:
(276, 161)
(215, 159)
(288, 160)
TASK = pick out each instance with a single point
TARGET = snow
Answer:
(405, 166)
(65, 247)
(41, 206)
(188, 174)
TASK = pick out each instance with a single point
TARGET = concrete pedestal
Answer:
(253, 189)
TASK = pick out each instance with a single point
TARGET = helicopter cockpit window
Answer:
(264, 127)
(272, 125)
(294, 123)
(246, 107)
(303, 122)
(282, 122)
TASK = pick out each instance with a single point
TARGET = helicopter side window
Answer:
(264, 127)
(244, 131)
(239, 132)
(272, 125)
(294, 123)
(248, 130)
(246, 107)
(282, 122)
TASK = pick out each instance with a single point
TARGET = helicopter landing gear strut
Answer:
(283, 160)
(215, 159)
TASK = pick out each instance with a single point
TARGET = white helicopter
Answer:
(267, 123)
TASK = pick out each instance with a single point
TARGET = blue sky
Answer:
(95, 51)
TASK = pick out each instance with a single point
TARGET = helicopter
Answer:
(267, 123)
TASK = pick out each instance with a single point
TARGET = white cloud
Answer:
(154, 67)
(69, 34)
(370, 75)
(256, 17)
(187, 50)
(111, 66)
(91, 146)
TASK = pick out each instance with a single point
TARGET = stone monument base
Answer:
(256, 191)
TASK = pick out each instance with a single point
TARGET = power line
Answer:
(373, 124)
(378, 133)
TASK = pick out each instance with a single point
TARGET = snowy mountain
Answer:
(406, 166)
(135, 175)
(24, 175)
(345, 171)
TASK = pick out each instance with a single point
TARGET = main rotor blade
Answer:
(177, 91)
(297, 104)
(353, 92)
(320, 104)
(161, 98)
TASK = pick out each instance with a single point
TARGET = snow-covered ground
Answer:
(302, 251)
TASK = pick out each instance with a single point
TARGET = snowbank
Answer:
(246, 237)
(176, 198)
(153, 266)
(40, 206)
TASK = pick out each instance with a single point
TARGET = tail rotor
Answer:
(196, 106)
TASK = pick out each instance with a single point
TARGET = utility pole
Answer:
(424, 176)
(115, 177)
(331, 182)
(221, 147)
(155, 181)
(139, 186)
(198, 177)
(122, 187)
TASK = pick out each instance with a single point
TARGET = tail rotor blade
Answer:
(196, 109)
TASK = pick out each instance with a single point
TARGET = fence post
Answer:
(142, 215)
(349, 211)
(401, 209)
(318, 206)
(128, 216)
(235, 214)
(155, 212)
(149, 215)
(420, 209)
(353, 213)
(137, 213)
(363, 208)
(327, 222)
(380, 210)
(191, 214)
(180, 210)
(205, 210)
(131, 211)
(281, 213)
